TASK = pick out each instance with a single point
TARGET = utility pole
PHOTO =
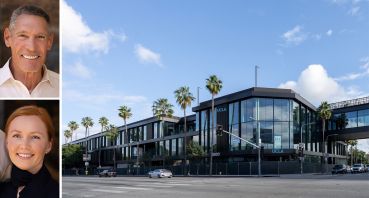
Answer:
(256, 75)
(198, 96)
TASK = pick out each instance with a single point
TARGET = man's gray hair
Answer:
(27, 9)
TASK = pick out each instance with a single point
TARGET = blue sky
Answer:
(134, 52)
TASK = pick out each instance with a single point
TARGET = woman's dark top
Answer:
(39, 185)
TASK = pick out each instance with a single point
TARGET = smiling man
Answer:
(25, 73)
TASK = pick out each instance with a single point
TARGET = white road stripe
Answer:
(155, 186)
(133, 188)
(108, 191)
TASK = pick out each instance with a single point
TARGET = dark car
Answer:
(107, 173)
(339, 168)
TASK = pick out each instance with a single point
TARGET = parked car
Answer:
(358, 168)
(160, 173)
(107, 173)
(339, 168)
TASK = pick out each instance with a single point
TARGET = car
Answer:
(339, 168)
(107, 173)
(358, 168)
(160, 173)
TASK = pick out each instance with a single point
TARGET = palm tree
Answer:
(87, 123)
(162, 108)
(184, 98)
(125, 113)
(67, 135)
(325, 113)
(103, 121)
(73, 126)
(214, 85)
(352, 143)
(112, 135)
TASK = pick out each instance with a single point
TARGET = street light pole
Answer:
(259, 144)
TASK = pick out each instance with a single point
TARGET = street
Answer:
(218, 187)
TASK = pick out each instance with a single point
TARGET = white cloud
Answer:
(317, 36)
(353, 76)
(329, 32)
(365, 62)
(79, 37)
(100, 98)
(294, 36)
(316, 85)
(354, 11)
(363, 145)
(79, 70)
(146, 55)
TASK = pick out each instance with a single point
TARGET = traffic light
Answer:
(219, 131)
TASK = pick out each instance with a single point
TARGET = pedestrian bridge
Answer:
(350, 119)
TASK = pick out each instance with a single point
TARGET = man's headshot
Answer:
(29, 38)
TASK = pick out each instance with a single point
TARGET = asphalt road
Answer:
(296, 186)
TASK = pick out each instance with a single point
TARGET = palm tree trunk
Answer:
(114, 160)
(185, 139)
(100, 149)
(211, 135)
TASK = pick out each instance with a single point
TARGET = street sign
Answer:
(87, 157)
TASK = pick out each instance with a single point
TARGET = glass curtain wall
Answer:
(234, 143)
(204, 129)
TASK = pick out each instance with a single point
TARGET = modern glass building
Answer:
(286, 121)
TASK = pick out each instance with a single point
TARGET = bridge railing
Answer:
(348, 103)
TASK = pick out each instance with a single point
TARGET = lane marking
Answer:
(132, 188)
(108, 191)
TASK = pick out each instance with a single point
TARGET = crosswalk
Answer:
(99, 189)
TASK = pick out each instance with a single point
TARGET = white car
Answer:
(160, 173)
(358, 168)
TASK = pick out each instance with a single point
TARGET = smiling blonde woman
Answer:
(29, 136)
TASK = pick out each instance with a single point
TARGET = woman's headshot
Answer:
(29, 137)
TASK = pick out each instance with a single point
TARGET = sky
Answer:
(134, 52)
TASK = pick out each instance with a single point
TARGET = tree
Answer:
(162, 108)
(325, 113)
(103, 121)
(352, 144)
(184, 98)
(87, 123)
(214, 85)
(73, 126)
(72, 155)
(112, 135)
(195, 152)
(125, 113)
(67, 135)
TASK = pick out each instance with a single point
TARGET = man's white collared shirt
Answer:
(48, 87)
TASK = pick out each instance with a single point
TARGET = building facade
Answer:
(285, 119)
